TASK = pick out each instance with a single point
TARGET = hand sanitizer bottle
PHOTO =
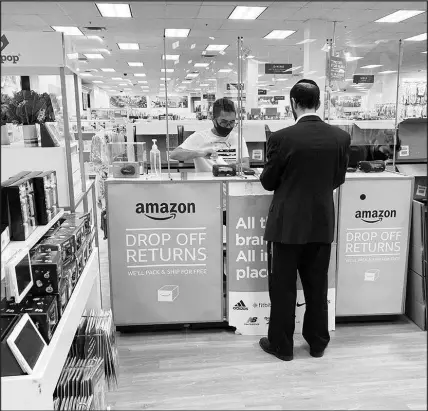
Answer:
(155, 159)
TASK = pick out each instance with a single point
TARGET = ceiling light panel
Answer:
(306, 41)
(167, 78)
(142, 81)
(217, 47)
(201, 65)
(94, 38)
(94, 56)
(139, 74)
(399, 15)
(186, 82)
(114, 10)
(246, 13)
(108, 70)
(171, 57)
(177, 33)
(135, 64)
(225, 70)
(117, 78)
(128, 46)
(168, 70)
(370, 66)
(387, 72)
(420, 37)
(192, 75)
(279, 34)
(86, 74)
(68, 30)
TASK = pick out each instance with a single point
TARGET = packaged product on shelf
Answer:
(44, 313)
(74, 231)
(46, 195)
(63, 295)
(10, 308)
(9, 365)
(71, 273)
(47, 272)
(18, 273)
(77, 219)
(65, 244)
(80, 261)
(22, 212)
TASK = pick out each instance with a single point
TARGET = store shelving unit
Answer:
(68, 159)
(35, 392)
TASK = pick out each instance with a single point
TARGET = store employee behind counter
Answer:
(217, 145)
(305, 163)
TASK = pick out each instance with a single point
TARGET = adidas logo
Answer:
(240, 306)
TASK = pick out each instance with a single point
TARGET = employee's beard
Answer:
(222, 131)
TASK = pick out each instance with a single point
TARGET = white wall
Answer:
(99, 98)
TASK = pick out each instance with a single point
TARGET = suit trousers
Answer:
(312, 261)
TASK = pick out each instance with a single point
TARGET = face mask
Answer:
(222, 131)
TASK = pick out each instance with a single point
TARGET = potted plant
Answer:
(28, 108)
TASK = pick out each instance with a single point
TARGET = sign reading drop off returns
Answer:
(165, 244)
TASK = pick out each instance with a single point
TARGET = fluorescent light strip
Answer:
(370, 66)
(217, 47)
(135, 64)
(181, 33)
(94, 38)
(114, 10)
(168, 70)
(94, 56)
(68, 30)
(167, 79)
(204, 85)
(306, 41)
(170, 57)
(398, 16)
(225, 70)
(246, 13)
(279, 34)
(128, 46)
(423, 52)
(201, 65)
(108, 70)
(192, 75)
(86, 74)
(139, 74)
(350, 58)
(420, 37)
(387, 72)
(117, 78)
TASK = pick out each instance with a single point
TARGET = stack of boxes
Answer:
(57, 263)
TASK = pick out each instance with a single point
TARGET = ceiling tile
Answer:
(185, 12)
(215, 12)
(29, 7)
(148, 10)
(28, 20)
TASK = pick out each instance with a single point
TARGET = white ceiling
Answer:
(355, 31)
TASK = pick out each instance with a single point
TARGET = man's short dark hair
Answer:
(306, 93)
(223, 104)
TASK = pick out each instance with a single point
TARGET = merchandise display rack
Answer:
(39, 386)
(67, 160)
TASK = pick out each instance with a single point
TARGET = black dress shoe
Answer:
(266, 347)
(316, 354)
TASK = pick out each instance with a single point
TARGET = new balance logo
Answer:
(252, 321)
(240, 306)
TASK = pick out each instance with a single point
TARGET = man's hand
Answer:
(209, 153)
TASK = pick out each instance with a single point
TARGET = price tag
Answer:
(405, 151)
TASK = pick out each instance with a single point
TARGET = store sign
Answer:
(234, 86)
(368, 79)
(209, 97)
(373, 245)
(24, 49)
(165, 243)
(247, 262)
(278, 68)
(262, 92)
(278, 98)
(337, 68)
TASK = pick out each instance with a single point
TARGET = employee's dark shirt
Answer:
(305, 163)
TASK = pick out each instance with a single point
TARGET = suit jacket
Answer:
(305, 164)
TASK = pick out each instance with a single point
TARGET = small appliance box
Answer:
(47, 273)
(44, 313)
(65, 244)
(22, 208)
(18, 274)
(80, 259)
(70, 273)
(168, 293)
(75, 231)
(46, 196)
(63, 295)
(76, 219)
(9, 365)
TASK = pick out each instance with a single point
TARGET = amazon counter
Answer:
(168, 249)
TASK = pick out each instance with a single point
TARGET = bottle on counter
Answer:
(155, 159)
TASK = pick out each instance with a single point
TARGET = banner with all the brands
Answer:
(373, 244)
(247, 267)
(32, 49)
(165, 245)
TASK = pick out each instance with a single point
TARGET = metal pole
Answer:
(166, 108)
(400, 61)
(238, 154)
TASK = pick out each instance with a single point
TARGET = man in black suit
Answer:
(305, 164)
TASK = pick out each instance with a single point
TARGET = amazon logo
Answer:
(374, 216)
(164, 211)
